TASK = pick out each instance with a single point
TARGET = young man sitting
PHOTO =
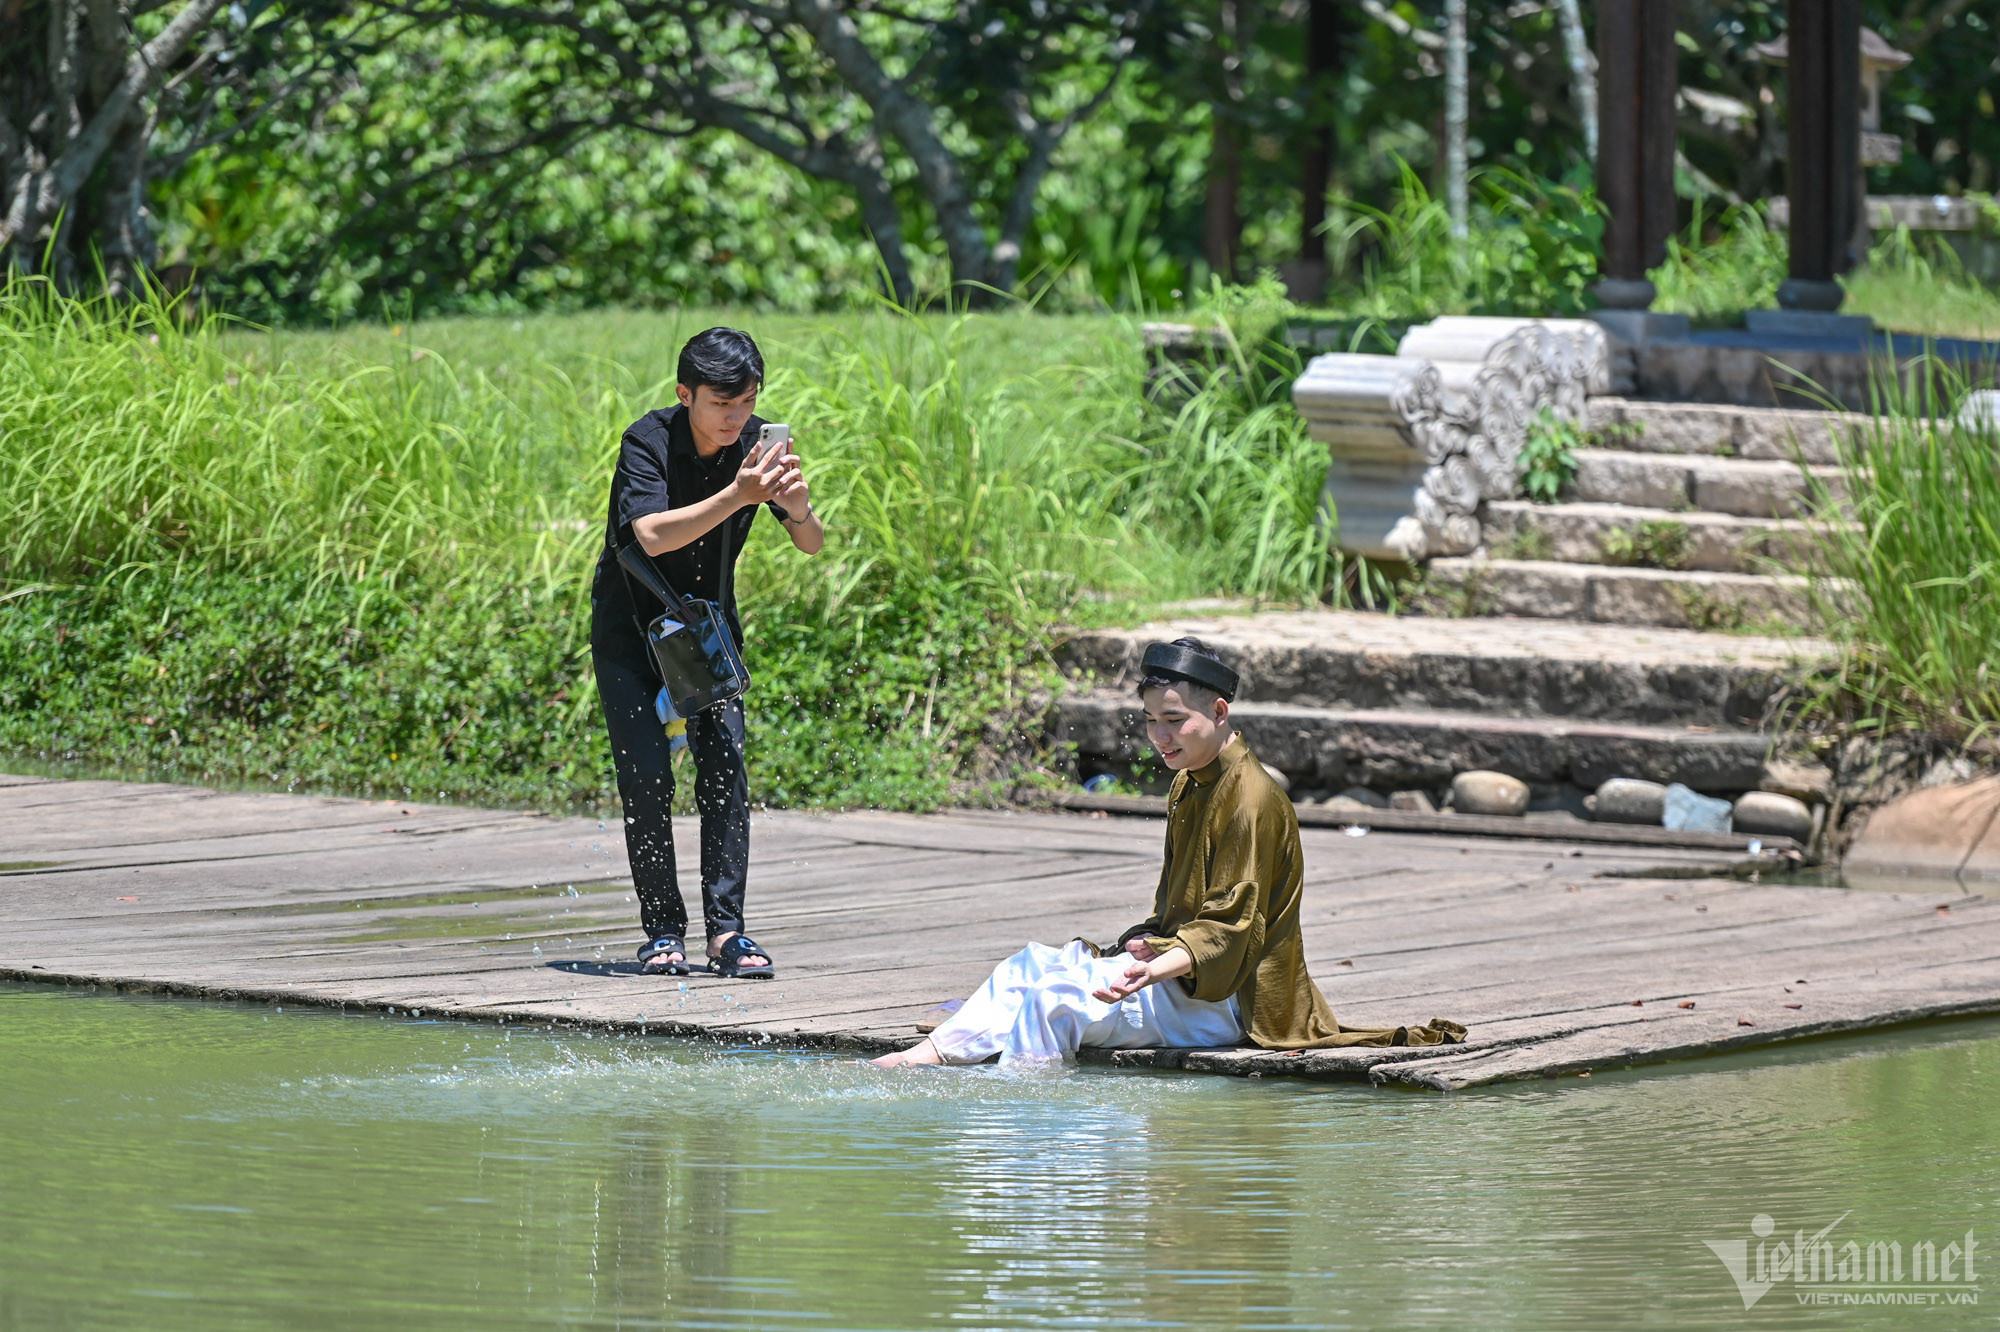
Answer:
(1220, 958)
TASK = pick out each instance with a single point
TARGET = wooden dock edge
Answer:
(1437, 1068)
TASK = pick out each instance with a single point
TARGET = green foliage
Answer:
(1708, 613)
(393, 197)
(1906, 577)
(356, 564)
(1253, 312)
(1917, 283)
(1654, 543)
(286, 680)
(1547, 460)
(1228, 497)
(1716, 271)
(1526, 543)
(1531, 248)
(1723, 265)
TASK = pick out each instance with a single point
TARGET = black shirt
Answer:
(658, 469)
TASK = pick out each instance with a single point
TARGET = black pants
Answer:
(627, 686)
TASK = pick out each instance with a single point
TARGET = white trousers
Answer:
(1037, 1007)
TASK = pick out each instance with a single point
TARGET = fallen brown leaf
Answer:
(1745, 1022)
(1346, 961)
(1638, 1003)
(128, 899)
(1685, 1003)
(1794, 1005)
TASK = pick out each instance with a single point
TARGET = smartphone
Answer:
(769, 434)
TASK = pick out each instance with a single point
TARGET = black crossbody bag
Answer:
(693, 652)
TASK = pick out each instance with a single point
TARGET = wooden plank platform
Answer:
(1557, 961)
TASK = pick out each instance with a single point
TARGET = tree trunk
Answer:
(885, 226)
(1221, 225)
(76, 122)
(1325, 30)
(1222, 221)
(1582, 78)
(912, 124)
(1455, 114)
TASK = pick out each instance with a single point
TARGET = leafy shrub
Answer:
(370, 573)
(1654, 543)
(1531, 248)
(1547, 460)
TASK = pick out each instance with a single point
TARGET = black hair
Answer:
(1190, 689)
(723, 359)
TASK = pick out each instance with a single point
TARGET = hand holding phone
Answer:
(769, 467)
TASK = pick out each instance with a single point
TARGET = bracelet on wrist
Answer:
(790, 521)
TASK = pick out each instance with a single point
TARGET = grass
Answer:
(1533, 245)
(1653, 543)
(1725, 265)
(360, 561)
(1908, 583)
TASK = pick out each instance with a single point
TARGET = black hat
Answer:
(1201, 669)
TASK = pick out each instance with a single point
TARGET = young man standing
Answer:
(689, 481)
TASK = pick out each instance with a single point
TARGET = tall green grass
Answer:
(1722, 265)
(1530, 247)
(1907, 575)
(1732, 261)
(362, 562)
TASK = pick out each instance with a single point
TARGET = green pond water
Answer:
(178, 1164)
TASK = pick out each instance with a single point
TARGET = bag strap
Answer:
(640, 567)
(725, 565)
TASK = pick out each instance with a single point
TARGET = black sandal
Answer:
(729, 962)
(666, 943)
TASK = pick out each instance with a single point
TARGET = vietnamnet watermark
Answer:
(1822, 1270)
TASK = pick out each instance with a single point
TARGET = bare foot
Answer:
(923, 1052)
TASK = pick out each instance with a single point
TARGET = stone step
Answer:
(1326, 749)
(1763, 434)
(1605, 594)
(1691, 482)
(1624, 534)
(1515, 668)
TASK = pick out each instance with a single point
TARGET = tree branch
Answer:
(910, 123)
(1401, 26)
(141, 73)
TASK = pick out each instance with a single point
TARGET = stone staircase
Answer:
(1687, 518)
(1640, 628)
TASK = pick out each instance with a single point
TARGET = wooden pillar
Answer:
(1823, 109)
(1635, 145)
